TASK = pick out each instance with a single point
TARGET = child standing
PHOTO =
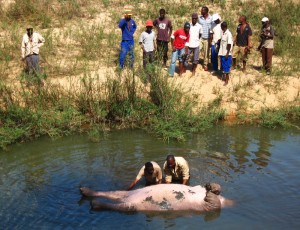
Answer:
(147, 43)
(225, 51)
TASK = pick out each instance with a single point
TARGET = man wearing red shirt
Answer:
(180, 42)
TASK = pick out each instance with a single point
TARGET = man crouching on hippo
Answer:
(162, 197)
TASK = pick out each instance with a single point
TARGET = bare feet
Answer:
(205, 68)
(87, 192)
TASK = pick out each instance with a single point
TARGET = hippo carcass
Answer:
(161, 197)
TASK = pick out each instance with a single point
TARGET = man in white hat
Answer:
(267, 44)
(216, 36)
(242, 42)
(31, 43)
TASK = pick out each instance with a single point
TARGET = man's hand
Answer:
(173, 49)
(226, 57)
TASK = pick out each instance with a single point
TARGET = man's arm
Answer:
(185, 172)
(41, 40)
(133, 183)
(23, 47)
(170, 29)
(141, 43)
(122, 23)
(228, 47)
(185, 181)
(172, 44)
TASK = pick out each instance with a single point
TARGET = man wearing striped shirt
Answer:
(205, 20)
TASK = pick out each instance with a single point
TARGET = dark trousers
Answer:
(148, 57)
(32, 64)
(162, 50)
(266, 55)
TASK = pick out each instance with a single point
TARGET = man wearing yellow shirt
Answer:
(152, 173)
(176, 170)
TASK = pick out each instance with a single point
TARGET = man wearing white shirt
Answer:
(216, 36)
(225, 51)
(195, 35)
(31, 43)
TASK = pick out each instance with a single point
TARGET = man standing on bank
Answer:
(31, 43)
(164, 32)
(205, 20)
(176, 170)
(195, 35)
(152, 173)
(267, 44)
(242, 42)
(216, 36)
(180, 43)
(128, 27)
(225, 50)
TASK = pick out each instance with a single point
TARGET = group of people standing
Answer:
(176, 170)
(205, 33)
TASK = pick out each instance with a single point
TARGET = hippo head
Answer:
(213, 187)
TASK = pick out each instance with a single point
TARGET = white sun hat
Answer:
(265, 19)
(216, 17)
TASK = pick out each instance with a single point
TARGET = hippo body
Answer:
(161, 197)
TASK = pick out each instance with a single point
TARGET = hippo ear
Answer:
(207, 186)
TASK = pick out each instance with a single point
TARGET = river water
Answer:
(257, 167)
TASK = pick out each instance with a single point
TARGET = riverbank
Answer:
(83, 92)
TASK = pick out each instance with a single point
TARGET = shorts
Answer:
(226, 64)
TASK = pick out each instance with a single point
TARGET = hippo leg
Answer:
(112, 195)
(124, 207)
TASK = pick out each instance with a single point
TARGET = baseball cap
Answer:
(149, 23)
(187, 25)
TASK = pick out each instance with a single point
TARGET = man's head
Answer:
(242, 19)
(204, 11)
(149, 168)
(171, 161)
(194, 18)
(187, 27)
(149, 25)
(162, 13)
(265, 21)
(29, 30)
(224, 26)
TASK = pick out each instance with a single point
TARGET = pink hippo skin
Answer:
(161, 197)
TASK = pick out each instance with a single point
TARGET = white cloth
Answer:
(225, 40)
(195, 30)
(217, 33)
(31, 45)
(147, 40)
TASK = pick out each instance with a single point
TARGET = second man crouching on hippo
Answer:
(176, 170)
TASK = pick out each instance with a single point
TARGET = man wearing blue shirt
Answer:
(128, 27)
